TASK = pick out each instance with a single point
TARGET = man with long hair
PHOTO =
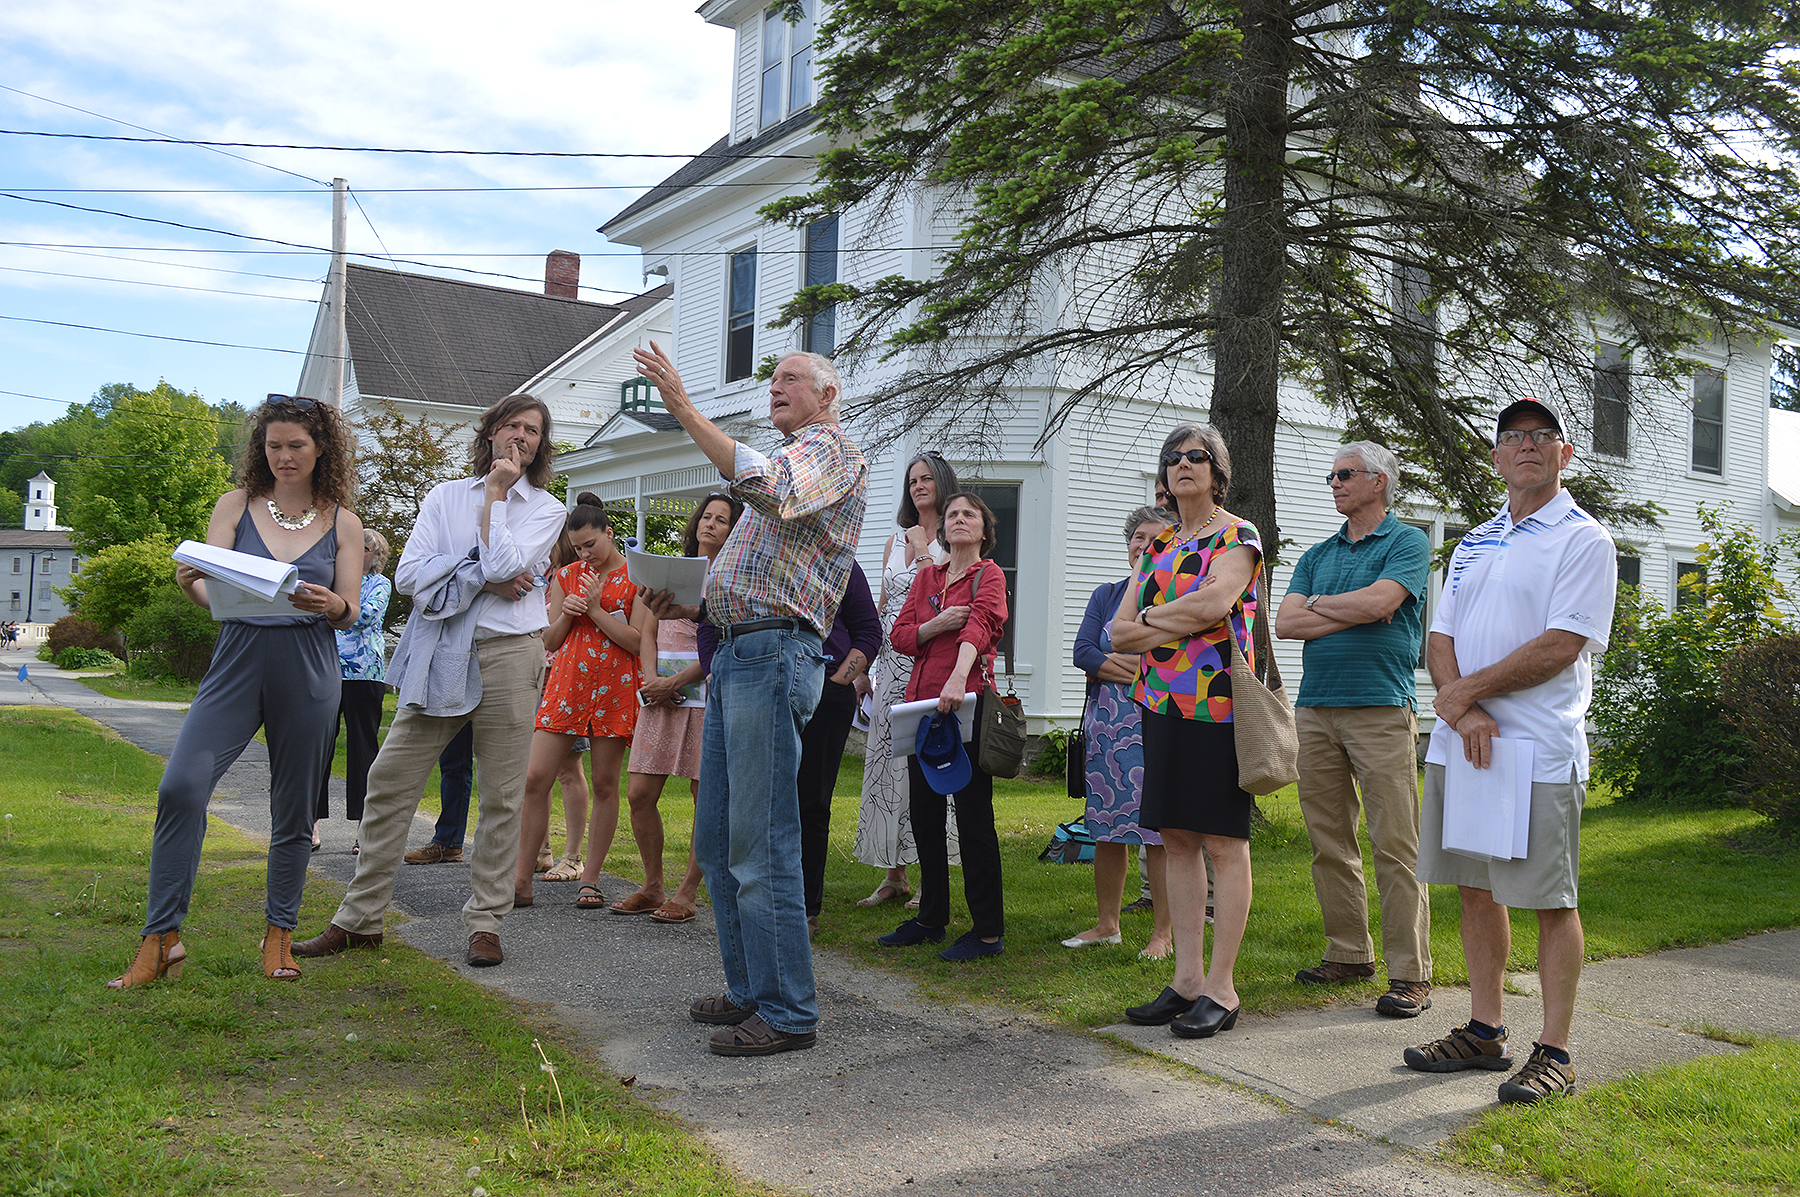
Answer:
(471, 655)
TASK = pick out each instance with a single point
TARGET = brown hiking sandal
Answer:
(1404, 999)
(1460, 1049)
(1543, 1076)
(1331, 972)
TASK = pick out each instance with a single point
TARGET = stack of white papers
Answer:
(683, 577)
(1487, 812)
(241, 584)
(904, 718)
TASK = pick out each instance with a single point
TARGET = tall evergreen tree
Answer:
(1409, 207)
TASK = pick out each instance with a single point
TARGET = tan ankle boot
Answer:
(160, 955)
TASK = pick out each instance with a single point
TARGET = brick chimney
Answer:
(562, 274)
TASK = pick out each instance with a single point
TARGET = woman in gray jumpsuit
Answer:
(277, 672)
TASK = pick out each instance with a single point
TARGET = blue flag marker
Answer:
(22, 674)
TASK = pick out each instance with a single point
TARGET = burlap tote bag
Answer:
(1268, 747)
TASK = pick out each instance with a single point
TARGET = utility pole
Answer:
(340, 293)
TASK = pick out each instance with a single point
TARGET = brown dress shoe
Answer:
(484, 950)
(1334, 972)
(333, 940)
(433, 853)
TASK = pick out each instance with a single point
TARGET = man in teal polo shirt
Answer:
(1357, 600)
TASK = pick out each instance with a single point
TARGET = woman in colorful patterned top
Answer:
(591, 691)
(362, 657)
(1196, 585)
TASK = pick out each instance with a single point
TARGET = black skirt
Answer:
(1190, 778)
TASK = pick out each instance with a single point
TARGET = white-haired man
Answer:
(772, 590)
(1357, 600)
(1527, 603)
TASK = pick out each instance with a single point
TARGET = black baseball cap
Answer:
(1519, 407)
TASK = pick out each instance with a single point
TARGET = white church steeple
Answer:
(40, 504)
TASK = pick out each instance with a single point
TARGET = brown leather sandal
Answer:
(278, 954)
(158, 956)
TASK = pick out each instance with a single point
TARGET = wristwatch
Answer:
(1310, 600)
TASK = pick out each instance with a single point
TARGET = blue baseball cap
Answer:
(940, 750)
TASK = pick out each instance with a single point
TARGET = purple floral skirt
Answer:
(1115, 767)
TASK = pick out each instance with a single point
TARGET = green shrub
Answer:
(1664, 736)
(1052, 758)
(87, 658)
(72, 631)
(1760, 688)
(115, 583)
(170, 637)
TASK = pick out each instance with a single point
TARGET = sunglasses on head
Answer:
(1196, 456)
(297, 402)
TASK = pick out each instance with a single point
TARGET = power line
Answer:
(369, 149)
(355, 253)
(381, 190)
(284, 278)
(148, 336)
(100, 278)
(115, 120)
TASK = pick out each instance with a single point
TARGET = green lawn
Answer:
(117, 685)
(1652, 878)
(386, 1072)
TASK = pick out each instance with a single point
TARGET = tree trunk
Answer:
(1247, 359)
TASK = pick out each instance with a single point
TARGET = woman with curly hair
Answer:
(278, 672)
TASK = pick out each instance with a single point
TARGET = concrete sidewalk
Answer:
(905, 1096)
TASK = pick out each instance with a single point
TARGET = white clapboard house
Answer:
(1062, 505)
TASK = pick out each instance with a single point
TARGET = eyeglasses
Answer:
(1345, 475)
(299, 402)
(1196, 456)
(1514, 437)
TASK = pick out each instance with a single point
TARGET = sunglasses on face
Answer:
(1195, 456)
(1516, 436)
(1345, 475)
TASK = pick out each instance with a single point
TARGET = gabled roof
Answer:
(714, 158)
(440, 340)
(20, 538)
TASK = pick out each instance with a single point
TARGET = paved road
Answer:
(904, 1096)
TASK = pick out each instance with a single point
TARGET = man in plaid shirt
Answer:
(771, 592)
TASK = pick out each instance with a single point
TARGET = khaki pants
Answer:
(512, 673)
(1378, 748)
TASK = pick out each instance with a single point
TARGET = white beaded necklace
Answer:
(292, 523)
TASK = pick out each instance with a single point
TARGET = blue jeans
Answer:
(456, 777)
(763, 689)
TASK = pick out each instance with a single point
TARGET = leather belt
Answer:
(775, 623)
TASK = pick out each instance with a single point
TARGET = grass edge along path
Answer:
(388, 1071)
(1724, 1124)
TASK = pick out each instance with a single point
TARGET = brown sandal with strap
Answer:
(278, 954)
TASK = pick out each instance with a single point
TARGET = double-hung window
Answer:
(819, 335)
(786, 63)
(740, 317)
(1709, 422)
(1612, 401)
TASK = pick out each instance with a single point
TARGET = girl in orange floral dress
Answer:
(592, 690)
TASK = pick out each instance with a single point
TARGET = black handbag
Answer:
(1075, 750)
(1000, 728)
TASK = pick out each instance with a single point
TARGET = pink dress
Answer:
(667, 741)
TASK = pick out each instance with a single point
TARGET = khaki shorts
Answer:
(1548, 877)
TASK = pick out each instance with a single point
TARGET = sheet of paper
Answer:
(1482, 818)
(904, 718)
(682, 576)
(1522, 798)
(668, 664)
(241, 584)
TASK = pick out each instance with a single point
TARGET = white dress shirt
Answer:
(520, 537)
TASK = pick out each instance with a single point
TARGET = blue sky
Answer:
(596, 76)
